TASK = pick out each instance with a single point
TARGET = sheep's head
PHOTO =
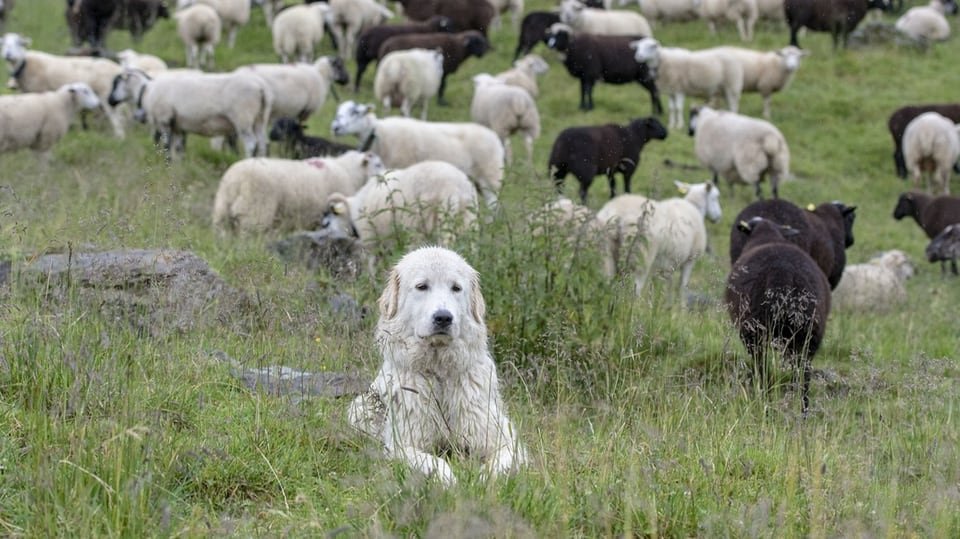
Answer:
(337, 222)
(761, 231)
(475, 44)
(338, 71)
(946, 244)
(696, 115)
(350, 118)
(705, 196)
(570, 10)
(372, 164)
(558, 37)
(648, 128)
(898, 262)
(849, 215)
(947, 7)
(127, 86)
(647, 51)
(83, 95)
(285, 129)
(906, 206)
(533, 63)
(14, 47)
(791, 56)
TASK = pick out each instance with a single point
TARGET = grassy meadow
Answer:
(634, 409)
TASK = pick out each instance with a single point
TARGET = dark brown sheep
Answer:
(90, 20)
(465, 14)
(456, 49)
(932, 213)
(370, 40)
(839, 17)
(901, 117)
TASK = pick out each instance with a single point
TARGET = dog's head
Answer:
(433, 296)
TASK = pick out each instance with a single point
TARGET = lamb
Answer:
(945, 246)
(299, 90)
(297, 30)
(5, 7)
(932, 213)
(347, 18)
(297, 145)
(931, 147)
(401, 142)
(927, 22)
(602, 21)
(533, 30)
(590, 150)
(409, 77)
(198, 26)
(767, 72)
(524, 73)
(456, 49)
(839, 17)
(262, 194)
(507, 110)
(370, 41)
(148, 63)
(668, 234)
(876, 286)
(743, 12)
(463, 14)
(742, 149)
(668, 10)
(902, 117)
(39, 120)
(233, 14)
(682, 72)
(777, 297)
(593, 58)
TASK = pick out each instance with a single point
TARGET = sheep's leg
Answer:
(793, 35)
(423, 109)
(116, 121)
(612, 180)
(586, 94)
(193, 52)
(507, 150)
(232, 36)
(685, 273)
(805, 390)
(361, 67)
(742, 29)
(766, 107)
(405, 107)
(442, 101)
(953, 266)
(528, 143)
(250, 143)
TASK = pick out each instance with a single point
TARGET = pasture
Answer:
(634, 410)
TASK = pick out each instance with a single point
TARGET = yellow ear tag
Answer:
(338, 209)
(811, 207)
(744, 224)
(683, 190)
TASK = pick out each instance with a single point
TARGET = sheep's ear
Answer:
(682, 187)
(849, 209)
(811, 207)
(478, 308)
(390, 296)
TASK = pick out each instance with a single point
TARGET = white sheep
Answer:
(875, 286)
(931, 146)
(400, 142)
(348, 18)
(743, 12)
(667, 234)
(740, 148)
(261, 194)
(35, 71)
(39, 120)
(524, 73)
(408, 77)
(300, 89)
(681, 72)
(925, 22)
(432, 198)
(199, 27)
(771, 10)
(148, 63)
(766, 72)
(603, 21)
(507, 110)
(515, 7)
(297, 30)
(668, 10)
(233, 14)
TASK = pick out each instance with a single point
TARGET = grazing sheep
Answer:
(593, 58)
(778, 298)
(39, 120)
(347, 18)
(297, 30)
(876, 286)
(602, 21)
(524, 73)
(299, 90)
(605, 149)
(138, 16)
(408, 77)
(533, 30)
(5, 7)
(839, 17)
(945, 246)
(370, 41)
(148, 63)
(261, 194)
(668, 10)
(296, 145)
(567, 218)
(668, 234)
(507, 110)
(931, 147)
(928, 22)
(766, 72)
(902, 117)
(742, 149)
(681, 72)
(456, 49)
(199, 27)
(771, 10)
(233, 14)
(401, 142)
(933, 214)
(463, 14)
(743, 12)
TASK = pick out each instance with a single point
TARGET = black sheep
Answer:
(533, 30)
(777, 297)
(297, 145)
(593, 57)
(901, 117)
(587, 151)
(456, 49)
(370, 41)
(90, 20)
(932, 213)
(464, 14)
(945, 246)
(839, 17)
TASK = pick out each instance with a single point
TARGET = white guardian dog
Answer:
(437, 390)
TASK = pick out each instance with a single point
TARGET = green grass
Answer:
(634, 410)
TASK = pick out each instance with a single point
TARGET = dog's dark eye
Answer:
(456, 288)
(421, 286)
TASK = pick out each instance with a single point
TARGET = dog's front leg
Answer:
(430, 465)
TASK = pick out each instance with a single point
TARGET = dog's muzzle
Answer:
(442, 322)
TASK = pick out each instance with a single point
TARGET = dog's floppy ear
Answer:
(390, 296)
(477, 306)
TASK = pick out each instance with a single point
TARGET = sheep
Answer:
(593, 58)
(668, 10)
(742, 149)
(668, 234)
(766, 72)
(602, 21)
(270, 8)
(777, 297)
(5, 7)
(524, 73)
(299, 90)
(225, 104)
(533, 30)
(369, 41)
(463, 14)
(347, 18)
(587, 151)
(456, 49)
(90, 20)
(297, 30)
(927, 22)
(147, 63)
(507, 110)
(682, 72)
(839, 17)
(900, 118)
(771, 10)
(34, 71)
(401, 142)
(39, 120)
(409, 77)
(233, 14)
(297, 145)
(945, 246)
(931, 147)
(742, 12)
(824, 231)
(198, 26)
(262, 194)
(875, 286)
(515, 7)
(932, 213)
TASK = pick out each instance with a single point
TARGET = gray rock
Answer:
(279, 380)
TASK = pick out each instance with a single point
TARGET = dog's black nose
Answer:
(442, 319)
